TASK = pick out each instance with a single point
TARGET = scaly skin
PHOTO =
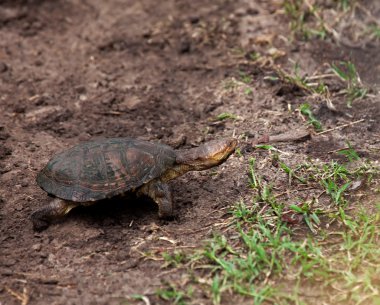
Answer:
(208, 155)
(56, 208)
(203, 157)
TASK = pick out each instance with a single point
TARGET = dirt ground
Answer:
(73, 70)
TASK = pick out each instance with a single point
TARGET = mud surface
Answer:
(76, 70)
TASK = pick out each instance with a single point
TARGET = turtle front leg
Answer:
(55, 209)
(161, 194)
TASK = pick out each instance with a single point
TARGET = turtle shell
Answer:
(104, 168)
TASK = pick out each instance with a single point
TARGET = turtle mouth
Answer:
(227, 150)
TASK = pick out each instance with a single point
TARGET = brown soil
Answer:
(74, 70)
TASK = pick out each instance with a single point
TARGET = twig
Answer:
(365, 10)
(24, 298)
(341, 126)
(337, 150)
(172, 248)
(296, 135)
(320, 76)
(145, 299)
(35, 277)
(109, 112)
(298, 190)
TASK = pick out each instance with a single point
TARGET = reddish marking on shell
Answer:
(117, 166)
(139, 162)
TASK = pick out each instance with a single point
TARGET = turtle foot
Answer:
(39, 222)
(56, 208)
(165, 212)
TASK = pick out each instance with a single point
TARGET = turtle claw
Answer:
(165, 209)
(40, 226)
(57, 208)
(39, 223)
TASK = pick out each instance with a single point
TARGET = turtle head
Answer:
(207, 155)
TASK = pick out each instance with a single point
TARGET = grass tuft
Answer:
(346, 71)
(260, 256)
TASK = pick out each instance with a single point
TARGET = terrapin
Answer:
(99, 169)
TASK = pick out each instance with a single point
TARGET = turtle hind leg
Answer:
(55, 209)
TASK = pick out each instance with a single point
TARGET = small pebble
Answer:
(184, 47)
(6, 272)
(240, 12)
(80, 89)
(51, 258)
(37, 247)
(3, 133)
(8, 262)
(19, 207)
(5, 169)
(39, 63)
(3, 67)
(24, 183)
(194, 19)
(252, 11)
(19, 109)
